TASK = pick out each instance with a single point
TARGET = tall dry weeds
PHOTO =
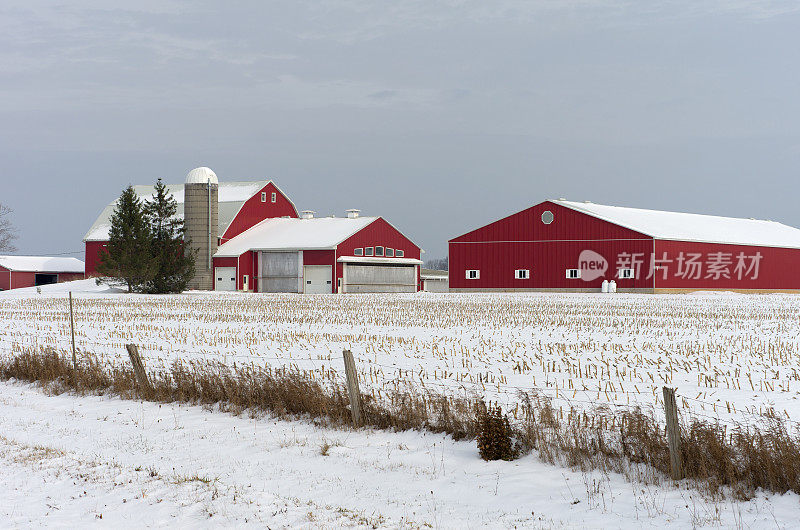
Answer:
(743, 459)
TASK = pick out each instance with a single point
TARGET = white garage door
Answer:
(381, 278)
(225, 278)
(317, 279)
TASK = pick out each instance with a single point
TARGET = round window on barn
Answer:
(547, 217)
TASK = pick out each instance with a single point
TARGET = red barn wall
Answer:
(547, 262)
(254, 211)
(21, 279)
(568, 225)
(377, 233)
(92, 256)
(523, 241)
(5, 279)
(776, 270)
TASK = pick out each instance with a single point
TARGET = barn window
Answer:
(399, 253)
(547, 217)
(379, 251)
(389, 252)
(368, 251)
(473, 274)
(573, 274)
(274, 197)
(358, 252)
(522, 274)
(263, 196)
(626, 274)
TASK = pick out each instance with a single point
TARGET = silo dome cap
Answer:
(201, 175)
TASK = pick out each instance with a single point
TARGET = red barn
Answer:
(352, 254)
(263, 246)
(30, 271)
(241, 205)
(560, 245)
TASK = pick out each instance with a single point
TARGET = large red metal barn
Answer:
(561, 245)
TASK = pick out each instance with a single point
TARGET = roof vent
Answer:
(562, 199)
(587, 202)
(352, 213)
(307, 214)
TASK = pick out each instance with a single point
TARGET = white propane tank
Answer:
(604, 287)
(612, 286)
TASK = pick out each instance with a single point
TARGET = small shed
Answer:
(435, 281)
(30, 271)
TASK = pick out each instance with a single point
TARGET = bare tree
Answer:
(439, 264)
(7, 231)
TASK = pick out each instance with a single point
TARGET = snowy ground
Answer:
(76, 461)
(731, 357)
(70, 460)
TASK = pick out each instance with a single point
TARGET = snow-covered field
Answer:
(732, 357)
(77, 461)
(69, 460)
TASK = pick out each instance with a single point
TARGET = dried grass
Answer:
(742, 459)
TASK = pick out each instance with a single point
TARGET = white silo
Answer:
(201, 220)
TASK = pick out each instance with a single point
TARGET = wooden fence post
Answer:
(138, 367)
(352, 387)
(673, 434)
(72, 330)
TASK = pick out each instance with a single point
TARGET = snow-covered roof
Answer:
(294, 234)
(692, 227)
(232, 196)
(41, 264)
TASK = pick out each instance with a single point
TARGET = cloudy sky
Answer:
(438, 115)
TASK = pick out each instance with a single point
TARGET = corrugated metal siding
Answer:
(568, 224)
(92, 256)
(777, 267)
(5, 279)
(547, 262)
(254, 211)
(381, 233)
(377, 233)
(523, 241)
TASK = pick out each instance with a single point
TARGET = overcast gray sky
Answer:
(439, 116)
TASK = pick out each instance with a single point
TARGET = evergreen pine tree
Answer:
(174, 266)
(128, 259)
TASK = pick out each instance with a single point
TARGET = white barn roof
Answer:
(232, 196)
(692, 227)
(294, 234)
(41, 264)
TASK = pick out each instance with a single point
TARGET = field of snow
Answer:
(73, 462)
(70, 461)
(732, 357)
